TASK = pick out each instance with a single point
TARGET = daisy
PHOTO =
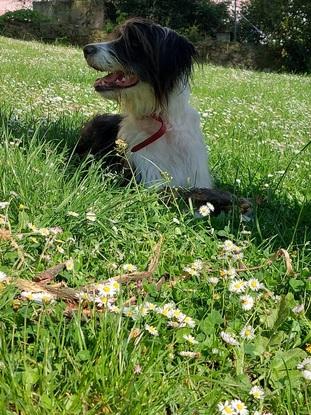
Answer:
(300, 308)
(213, 280)
(305, 367)
(189, 322)
(3, 276)
(151, 329)
(106, 290)
(129, 268)
(247, 302)
(3, 205)
(205, 210)
(228, 273)
(257, 392)
(239, 407)
(247, 333)
(229, 246)
(227, 338)
(237, 286)
(255, 285)
(191, 271)
(190, 339)
(226, 408)
(197, 265)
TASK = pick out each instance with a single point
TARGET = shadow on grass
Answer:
(278, 219)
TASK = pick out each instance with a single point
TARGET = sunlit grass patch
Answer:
(228, 328)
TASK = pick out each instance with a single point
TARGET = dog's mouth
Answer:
(115, 80)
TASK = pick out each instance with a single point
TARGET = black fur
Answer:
(158, 55)
(98, 138)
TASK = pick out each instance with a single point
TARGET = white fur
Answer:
(180, 153)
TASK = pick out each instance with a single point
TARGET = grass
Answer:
(258, 128)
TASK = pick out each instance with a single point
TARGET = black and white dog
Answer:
(148, 74)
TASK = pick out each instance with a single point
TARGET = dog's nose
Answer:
(89, 50)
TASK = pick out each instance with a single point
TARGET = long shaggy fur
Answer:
(148, 74)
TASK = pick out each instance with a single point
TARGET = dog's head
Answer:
(144, 61)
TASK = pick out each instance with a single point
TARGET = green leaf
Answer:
(213, 319)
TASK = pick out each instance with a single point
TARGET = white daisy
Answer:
(257, 392)
(247, 302)
(205, 210)
(3, 276)
(255, 285)
(226, 408)
(190, 339)
(239, 407)
(213, 280)
(129, 268)
(151, 329)
(229, 339)
(305, 367)
(300, 308)
(237, 286)
(247, 333)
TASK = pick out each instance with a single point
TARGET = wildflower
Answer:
(137, 369)
(191, 271)
(239, 407)
(90, 216)
(247, 302)
(257, 392)
(3, 205)
(197, 265)
(254, 284)
(237, 286)
(3, 277)
(167, 310)
(129, 268)
(190, 354)
(229, 339)
(151, 329)
(213, 280)
(129, 312)
(189, 322)
(228, 273)
(73, 214)
(42, 297)
(190, 339)
(106, 290)
(83, 296)
(247, 333)
(205, 210)
(305, 367)
(308, 348)
(134, 333)
(69, 265)
(300, 308)
(121, 145)
(226, 408)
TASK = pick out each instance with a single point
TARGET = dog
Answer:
(149, 67)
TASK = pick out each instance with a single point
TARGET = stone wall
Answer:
(81, 16)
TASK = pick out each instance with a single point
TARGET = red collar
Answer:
(158, 134)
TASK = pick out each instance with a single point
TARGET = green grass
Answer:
(257, 127)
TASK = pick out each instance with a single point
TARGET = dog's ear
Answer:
(158, 55)
(176, 57)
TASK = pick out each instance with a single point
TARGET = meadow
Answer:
(222, 323)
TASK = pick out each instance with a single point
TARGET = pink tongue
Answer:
(116, 79)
